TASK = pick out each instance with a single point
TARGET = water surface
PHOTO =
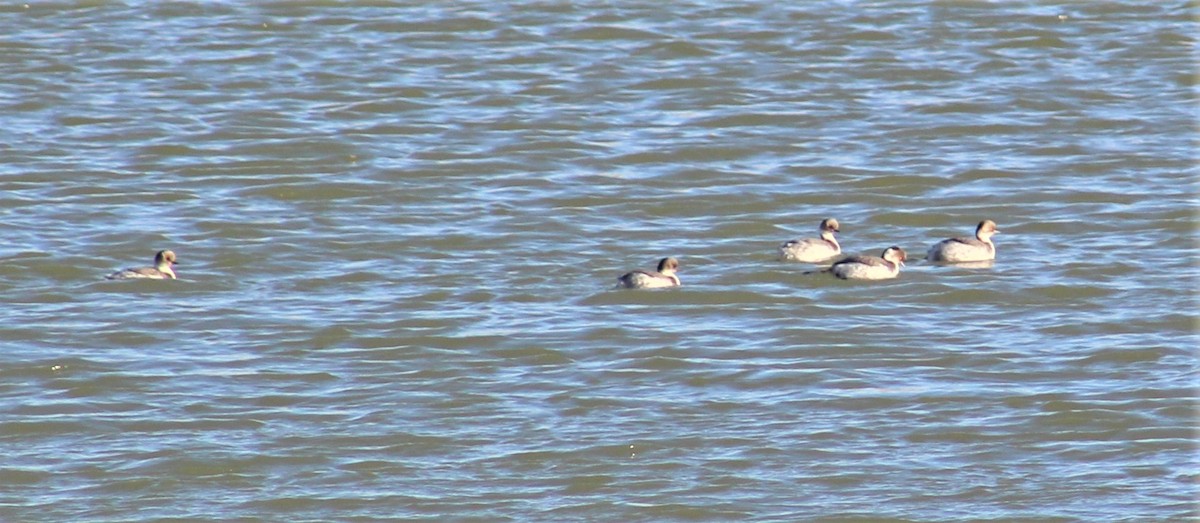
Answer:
(399, 225)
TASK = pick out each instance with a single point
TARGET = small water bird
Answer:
(161, 270)
(957, 250)
(813, 250)
(882, 267)
(663, 277)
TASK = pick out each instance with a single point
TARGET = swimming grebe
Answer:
(955, 250)
(813, 250)
(160, 271)
(882, 267)
(663, 277)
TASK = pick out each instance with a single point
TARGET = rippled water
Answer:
(399, 224)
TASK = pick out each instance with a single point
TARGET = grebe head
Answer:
(986, 229)
(895, 255)
(668, 266)
(165, 258)
(829, 225)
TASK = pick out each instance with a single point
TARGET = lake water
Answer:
(399, 225)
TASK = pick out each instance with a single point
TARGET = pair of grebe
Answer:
(815, 250)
